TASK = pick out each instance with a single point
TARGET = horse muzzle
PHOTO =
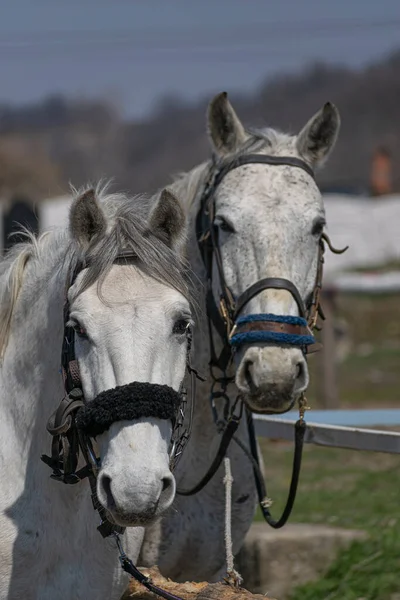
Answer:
(271, 378)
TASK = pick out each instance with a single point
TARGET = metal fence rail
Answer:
(337, 435)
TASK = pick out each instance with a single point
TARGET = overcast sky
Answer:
(135, 51)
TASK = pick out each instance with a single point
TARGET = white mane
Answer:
(41, 250)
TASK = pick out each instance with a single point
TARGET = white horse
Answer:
(130, 320)
(269, 219)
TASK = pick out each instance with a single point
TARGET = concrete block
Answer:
(273, 562)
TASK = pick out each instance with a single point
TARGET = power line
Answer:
(239, 55)
(181, 39)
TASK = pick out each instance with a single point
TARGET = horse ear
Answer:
(224, 127)
(168, 220)
(86, 219)
(316, 140)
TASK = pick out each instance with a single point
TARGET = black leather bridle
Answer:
(223, 316)
(69, 440)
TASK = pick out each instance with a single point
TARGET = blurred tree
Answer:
(82, 140)
(25, 169)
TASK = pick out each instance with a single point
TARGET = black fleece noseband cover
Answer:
(127, 403)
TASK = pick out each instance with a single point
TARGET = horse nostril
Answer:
(247, 375)
(300, 370)
(166, 483)
(106, 485)
(167, 491)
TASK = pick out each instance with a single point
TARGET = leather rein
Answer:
(69, 440)
(234, 330)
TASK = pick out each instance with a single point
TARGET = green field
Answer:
(370, 375)
(352, 489)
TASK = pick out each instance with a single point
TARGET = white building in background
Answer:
(369, 226)
(53, 212)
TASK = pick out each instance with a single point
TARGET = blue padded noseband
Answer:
(243, 334)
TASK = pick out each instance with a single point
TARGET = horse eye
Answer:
(79, 330)
(223, 225)
(181, 326)
(318, 228)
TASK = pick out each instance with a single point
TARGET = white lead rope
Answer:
(233, 577)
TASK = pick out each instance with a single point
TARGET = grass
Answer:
(344, 488)
(370, 380)
(370, 375)
(354, 490)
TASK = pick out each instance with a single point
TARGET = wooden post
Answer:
(328, 381)
(189, 590)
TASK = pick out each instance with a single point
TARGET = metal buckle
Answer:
(225, 315)
(223, 309)
(232, 332)
(303, 406)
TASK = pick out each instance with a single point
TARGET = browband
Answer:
(247, 159)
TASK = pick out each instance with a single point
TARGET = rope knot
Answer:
(267, 502)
